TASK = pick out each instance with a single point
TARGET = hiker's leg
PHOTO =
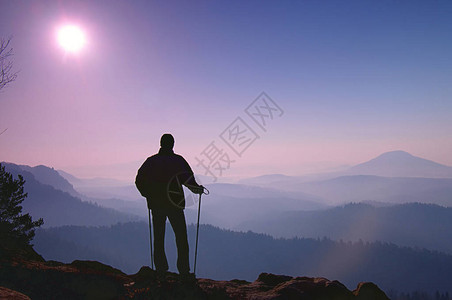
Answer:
(159, 221)
(177, 220)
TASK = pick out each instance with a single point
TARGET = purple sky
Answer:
(354, 79)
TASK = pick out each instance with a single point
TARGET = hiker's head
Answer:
(167, 141)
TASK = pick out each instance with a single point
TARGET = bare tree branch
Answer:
(6, 64)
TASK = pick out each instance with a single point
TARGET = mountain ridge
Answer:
(59, 207)
(410, 225)
(46, 175)
(398, 157)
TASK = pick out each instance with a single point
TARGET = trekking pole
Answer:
(150, 238)
(197, 228)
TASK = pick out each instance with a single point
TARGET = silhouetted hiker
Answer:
(160, 180)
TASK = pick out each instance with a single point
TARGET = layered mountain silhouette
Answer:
(223, 212)
(289, 206)
(364, 188)
(377, 180)
(102, 188)
(59, 207)
(389, 164)
(45, 175)
(391, 190)
(230, 204)
(393, 177)
(413, 225)
(86, 182)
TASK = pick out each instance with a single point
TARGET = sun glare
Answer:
(71, 38)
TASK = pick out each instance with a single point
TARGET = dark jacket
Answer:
(161, 177)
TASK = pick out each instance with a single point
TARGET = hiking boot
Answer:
(161, 275)
(187, 277)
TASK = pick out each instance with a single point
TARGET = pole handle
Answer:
(205, 191)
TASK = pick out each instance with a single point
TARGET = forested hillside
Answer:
(414, 224)
(225, 254)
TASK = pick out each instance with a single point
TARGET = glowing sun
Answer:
(71, 38)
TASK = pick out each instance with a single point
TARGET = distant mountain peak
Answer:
(401, 164)
(400, 156)
(395, 154)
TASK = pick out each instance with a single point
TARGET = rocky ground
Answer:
(28, 276)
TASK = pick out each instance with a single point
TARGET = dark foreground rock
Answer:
(37, 279)
(10, 294)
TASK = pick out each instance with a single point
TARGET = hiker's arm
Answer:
(188, 178)
(142, 179)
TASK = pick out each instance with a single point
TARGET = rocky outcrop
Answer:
(37, 279)
(270, 286)
(369, 291)
(10, 294)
